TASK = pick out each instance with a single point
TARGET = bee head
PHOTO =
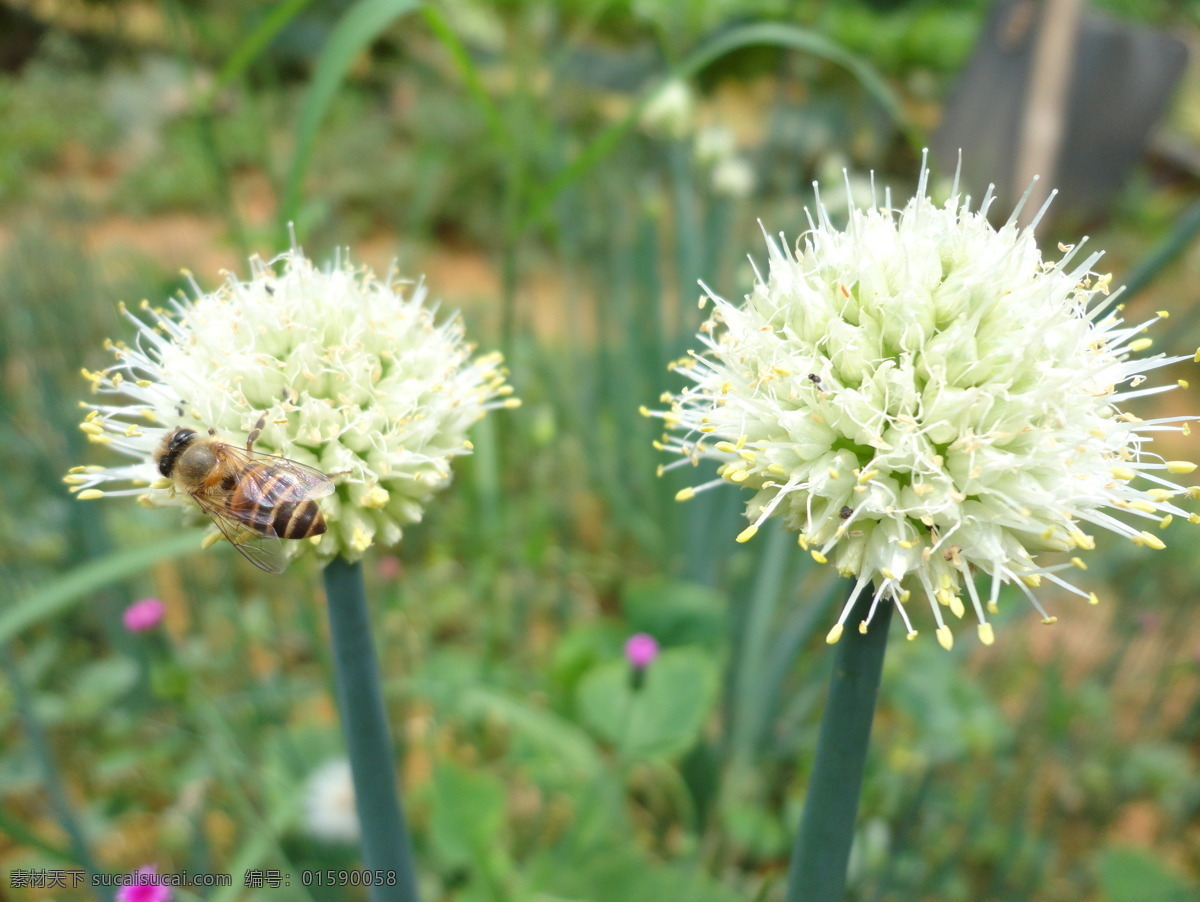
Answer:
(173, 445)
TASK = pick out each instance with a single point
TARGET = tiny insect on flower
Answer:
(927, 401)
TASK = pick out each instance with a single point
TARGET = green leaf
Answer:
(252, 45)
(675, 612)
(761, 33)
(1131, 875)
(354, 31)
(100, 684)
(468, 815)
(662, 718)
(58, 595)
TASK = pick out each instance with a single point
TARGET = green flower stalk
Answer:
(348, 375)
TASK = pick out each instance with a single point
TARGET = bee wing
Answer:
(262, 549)
(313, 483)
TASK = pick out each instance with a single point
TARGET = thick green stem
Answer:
(385, 842)
(822, 849)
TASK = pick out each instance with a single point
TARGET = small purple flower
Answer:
(143, 615)
(640, 650)
(145, 886)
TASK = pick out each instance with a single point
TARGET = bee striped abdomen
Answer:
(269, 499)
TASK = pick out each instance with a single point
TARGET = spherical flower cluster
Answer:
(330, 813)
(925, 399)
(353, 375)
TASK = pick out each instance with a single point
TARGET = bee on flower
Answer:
(928, 402)
(350, 399)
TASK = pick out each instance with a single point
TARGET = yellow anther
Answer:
(1140, 344)
(210, 539)
(1183, 383)
(1180, 466)
(906, 544)
(945, 638)
(1149, 538)
(887, 574)
(100, 439)
(818, 557)
(1165, 521)
(1159, 495)
(1163, 314)
(645, 411)
(91, 428)
(1122, 473)
(1049, 621)
(910, 635)
(737, 476)
(725, 447)
(1093, 598)
(802, 541)
(862, 627)
(986, 634)
(132, 431)
(74, 480)
(1079, 562)
(747, 534)
(1033, 580)
(834, 634)
(956, 606)
(685, 494)
(993, 608)
(90, 495)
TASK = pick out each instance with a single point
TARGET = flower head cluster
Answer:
(353, 374)
(925, 399)
(330, 812)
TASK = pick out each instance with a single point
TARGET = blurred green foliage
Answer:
(1055, 766)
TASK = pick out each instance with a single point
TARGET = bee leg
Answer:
(256, 431)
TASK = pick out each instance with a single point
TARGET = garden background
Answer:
(524, 158)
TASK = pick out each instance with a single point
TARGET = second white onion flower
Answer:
(926, 399)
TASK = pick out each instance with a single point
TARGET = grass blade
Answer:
(357, 29)
(58, 595)
(769, 33)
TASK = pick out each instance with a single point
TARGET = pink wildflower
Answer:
(145, 887)
(143, 615)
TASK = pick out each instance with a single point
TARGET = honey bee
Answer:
(255, 499)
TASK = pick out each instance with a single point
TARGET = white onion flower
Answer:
(356, 379)
(925, 399)
(330, 812)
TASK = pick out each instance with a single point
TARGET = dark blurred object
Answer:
(1060, 91)
(20, 34)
